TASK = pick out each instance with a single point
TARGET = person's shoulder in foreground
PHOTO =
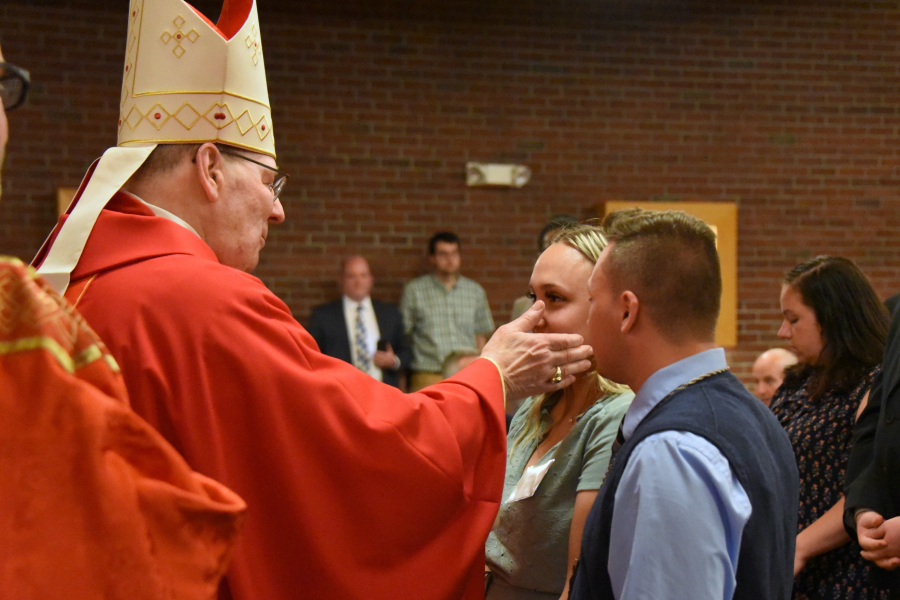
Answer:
(95, 503)
(90, 483)
(688, 493)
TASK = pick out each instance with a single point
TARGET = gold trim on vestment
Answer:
(40, 343)
(87, 356)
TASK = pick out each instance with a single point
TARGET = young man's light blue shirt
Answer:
(679, 511)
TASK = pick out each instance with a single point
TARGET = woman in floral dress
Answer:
(836, 325)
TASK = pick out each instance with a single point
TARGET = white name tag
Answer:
(530, 481)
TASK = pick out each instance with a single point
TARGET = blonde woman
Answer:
(559, 444)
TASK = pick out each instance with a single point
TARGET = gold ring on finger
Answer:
(557, 377)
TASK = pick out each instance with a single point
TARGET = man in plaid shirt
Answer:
(443, 311)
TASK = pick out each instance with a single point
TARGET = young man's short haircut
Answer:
(610, 219)
(448, 237)
(668, 259)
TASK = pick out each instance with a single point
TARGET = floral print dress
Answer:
(821, 433)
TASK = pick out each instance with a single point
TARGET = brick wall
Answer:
(786, 109)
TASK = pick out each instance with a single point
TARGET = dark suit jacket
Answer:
(328, 327)
(873, 472)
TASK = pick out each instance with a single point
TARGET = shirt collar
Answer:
(663, 382)
(349, 303)
(440, 282)
(161, 212)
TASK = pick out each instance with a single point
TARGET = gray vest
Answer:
(721, 410)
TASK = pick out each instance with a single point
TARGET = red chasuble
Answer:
(354, 490)
(95, 504)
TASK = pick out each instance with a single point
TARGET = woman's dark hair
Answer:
(853, 321)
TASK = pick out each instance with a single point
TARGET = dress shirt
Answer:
(439, 321)
(373, 334)
(679, 511)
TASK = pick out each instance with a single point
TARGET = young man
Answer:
(443, 311)
(354, 490)
(359, 330)
(701, 497)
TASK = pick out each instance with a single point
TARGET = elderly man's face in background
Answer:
(768, 372)
(4, 134)
(356, 280)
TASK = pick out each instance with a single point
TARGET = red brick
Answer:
(787, 110)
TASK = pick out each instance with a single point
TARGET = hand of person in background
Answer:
(879, 539)
(528, 361)
(386, 359)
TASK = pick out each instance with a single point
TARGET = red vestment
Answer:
(354, 490)
(95, 503)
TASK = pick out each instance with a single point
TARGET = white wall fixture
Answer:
(497, 174)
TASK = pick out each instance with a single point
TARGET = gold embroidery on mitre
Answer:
(263, 128)
(128, 75)
(157, 116)
(214, 92)
(217, 117)
(179, 36)
(187, 113)
(244, 124)
(133, 118)
(239, 95)
(252, 41)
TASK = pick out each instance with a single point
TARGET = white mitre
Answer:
(186, 81)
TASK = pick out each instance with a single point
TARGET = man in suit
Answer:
(872, 504)
(361, 331)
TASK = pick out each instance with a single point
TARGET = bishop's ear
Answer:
(210, 172)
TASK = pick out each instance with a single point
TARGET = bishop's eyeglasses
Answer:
(280, 176)
(14, 84)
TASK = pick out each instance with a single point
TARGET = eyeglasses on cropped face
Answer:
(280, 176)
(14, 84)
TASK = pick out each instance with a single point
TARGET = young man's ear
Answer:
(630, 306)
(210, 171)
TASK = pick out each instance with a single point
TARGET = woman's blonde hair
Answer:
(590, 242)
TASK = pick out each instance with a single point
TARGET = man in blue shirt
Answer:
(701, 498)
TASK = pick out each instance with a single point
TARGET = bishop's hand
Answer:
(529, 361)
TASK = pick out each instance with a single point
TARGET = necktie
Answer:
(620, 439)
(363, 360)
(617, 444)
